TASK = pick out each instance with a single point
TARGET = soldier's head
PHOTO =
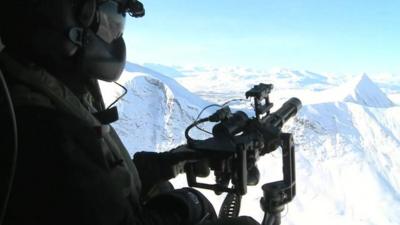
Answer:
(70, 36)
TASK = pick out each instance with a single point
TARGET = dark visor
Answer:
(111, 21)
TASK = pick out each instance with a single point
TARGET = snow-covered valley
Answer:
(347, 134)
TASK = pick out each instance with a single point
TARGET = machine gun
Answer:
(236, 144)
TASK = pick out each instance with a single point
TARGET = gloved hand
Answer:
(192, 206)
(155, 168)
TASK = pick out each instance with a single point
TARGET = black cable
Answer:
(194, 124)
(201, 112)
(121, 96)
(220, 106)
(205, 131)
(216, 105)
(235, 100)
(14, 153)
(213, 105)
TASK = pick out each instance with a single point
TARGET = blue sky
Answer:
(338, 36)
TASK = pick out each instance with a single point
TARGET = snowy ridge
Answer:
(155, 110)
(178, 90)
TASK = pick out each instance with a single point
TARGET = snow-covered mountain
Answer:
(361, 90)
(154, 111)
(347, 136)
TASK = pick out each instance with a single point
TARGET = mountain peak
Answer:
(362, 90)
(364, 79)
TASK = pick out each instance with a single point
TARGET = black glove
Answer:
(155, 168)
(192, 206)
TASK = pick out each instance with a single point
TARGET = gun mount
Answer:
(236, 144)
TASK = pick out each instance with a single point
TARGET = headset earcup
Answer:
(87, 13)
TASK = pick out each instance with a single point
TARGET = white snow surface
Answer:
(347, 135)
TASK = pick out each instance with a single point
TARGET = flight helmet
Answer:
(82, 37)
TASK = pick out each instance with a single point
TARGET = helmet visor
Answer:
(111, 21)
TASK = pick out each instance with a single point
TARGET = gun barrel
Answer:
(284, 113)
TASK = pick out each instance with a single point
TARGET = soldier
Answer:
(72, 168)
